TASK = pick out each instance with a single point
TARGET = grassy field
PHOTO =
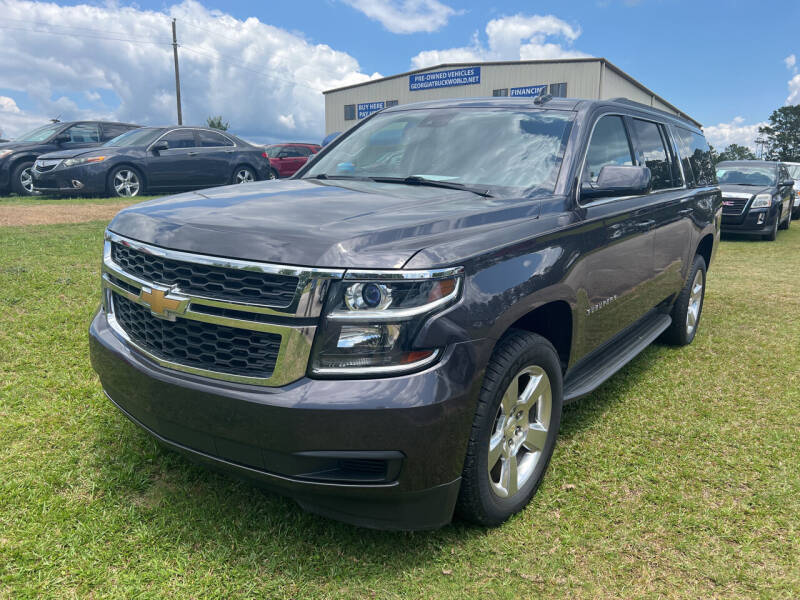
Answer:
(46, 200)
(680, 477)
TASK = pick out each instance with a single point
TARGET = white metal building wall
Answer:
(582, 76)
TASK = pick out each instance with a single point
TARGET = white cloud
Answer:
(736, 132)
(794, 83)
(265, 80)
(406, 16)
(790, 61)
(518, 37)
(8, 105)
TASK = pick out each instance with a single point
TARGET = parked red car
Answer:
(286, 159)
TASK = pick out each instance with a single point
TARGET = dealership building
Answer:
(593, 78)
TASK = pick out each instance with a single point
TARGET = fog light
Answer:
(761, 219)
(76, 184)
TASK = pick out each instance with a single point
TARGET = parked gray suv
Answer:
(389, 337)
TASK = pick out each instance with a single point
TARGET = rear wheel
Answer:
(688, 307)
(243, 174)
(22, 180)
(514, 431)
(125, 182)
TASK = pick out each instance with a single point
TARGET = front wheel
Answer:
(125, 182)
(788, 222)
(272, 174)
(243, 175)
(22, 180)
(773, 234)
(514, 431)
(688, 307)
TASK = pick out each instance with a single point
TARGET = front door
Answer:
(177, 166)
(616, 271)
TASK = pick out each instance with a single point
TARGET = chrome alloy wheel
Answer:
(520, 431)
(126, 183)
(695, 302)
(244, 176)
(26, 180)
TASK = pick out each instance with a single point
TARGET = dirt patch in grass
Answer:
(51, 214)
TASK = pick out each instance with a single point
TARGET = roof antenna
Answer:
(56, 120)
(541, 99)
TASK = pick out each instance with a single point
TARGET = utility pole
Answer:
(177, 72)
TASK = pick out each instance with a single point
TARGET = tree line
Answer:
(780, 139)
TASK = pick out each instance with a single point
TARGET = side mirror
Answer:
(617, 180)
(160, 145)
(62, 138)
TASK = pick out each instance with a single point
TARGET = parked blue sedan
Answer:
(152, 159)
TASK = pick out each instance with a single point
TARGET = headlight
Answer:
(6, 152)
(762, 201)
(372, 319)
(71, 162)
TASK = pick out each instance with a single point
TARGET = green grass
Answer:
(680, 477)
(38, 200)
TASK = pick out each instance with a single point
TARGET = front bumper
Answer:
(92, 179)
(294, 439)
(748, 223)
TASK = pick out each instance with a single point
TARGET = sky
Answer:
(263, 65)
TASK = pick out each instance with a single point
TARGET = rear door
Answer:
(291, 158)
(175, 167)
(615, 275)
(216, 152)
(671, 205)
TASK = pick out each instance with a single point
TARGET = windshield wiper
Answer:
(350, 177)
(417, 180)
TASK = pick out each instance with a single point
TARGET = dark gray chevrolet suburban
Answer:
(389, 337)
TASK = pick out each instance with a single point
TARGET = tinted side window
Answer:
(84, 132)
(302, 150)
(111, 130)
(683, 139)
(210, 139)
(652, 153)
(699, 157)
(293, 152)
(609, 146)
(183, 138)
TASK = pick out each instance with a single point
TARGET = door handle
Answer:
(229, 151)
(646, 225)
(191, 154)
(686, 211)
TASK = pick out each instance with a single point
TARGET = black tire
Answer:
(679, 333)
(478, 501)
(18, 186)
(273, 174)
(135, 176)
(773, 234)
(243, 174)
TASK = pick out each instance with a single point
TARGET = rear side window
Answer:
(683, 139)
(83, 133)
(609, 146)
(694, 149)
(182, 138)
(210, 139)
(112, 130)
(653, 154)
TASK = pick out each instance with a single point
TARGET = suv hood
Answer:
(745, 189)
(22, 146)
(319, 224)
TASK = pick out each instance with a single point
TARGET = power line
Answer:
(108, 38)
(71, 27)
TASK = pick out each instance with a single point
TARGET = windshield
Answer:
(134, 137)
(512, 152)
(746, 174)
(794, 171)
(272, 151)
(40, 134)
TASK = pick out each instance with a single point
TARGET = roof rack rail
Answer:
(541, 99)
(624, 100)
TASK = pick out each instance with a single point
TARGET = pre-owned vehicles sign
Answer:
(438, 79)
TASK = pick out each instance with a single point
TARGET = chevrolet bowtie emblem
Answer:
(161, 304)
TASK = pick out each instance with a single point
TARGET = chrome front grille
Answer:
(235, 285)
(159, 302)
(733, 204)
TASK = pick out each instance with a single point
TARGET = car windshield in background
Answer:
(510, 152)
(794, 171)
(134, 137)
(746, 175)
(40, 134)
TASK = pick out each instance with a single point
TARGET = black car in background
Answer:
(152, 159)
(756, 197)
(17, 156)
